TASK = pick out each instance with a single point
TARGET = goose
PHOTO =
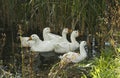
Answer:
(39, 45)
(73, 56)
(49, 36)
(66, 46)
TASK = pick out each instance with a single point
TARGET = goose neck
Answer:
(44, 34)
(64, 35)
(83, 53)
(82, 49)
(73, 39)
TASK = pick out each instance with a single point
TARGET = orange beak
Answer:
(29, 38)
(79, 34)
(70, 30)
(51, 29)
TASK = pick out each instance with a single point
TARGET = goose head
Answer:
(46, 30)
(34, 37)
(75, 33)
(83, 43)
(65, 30)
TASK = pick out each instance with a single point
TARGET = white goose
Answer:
(49, 36)
(39, 45)
(75, 57)
(64, 47)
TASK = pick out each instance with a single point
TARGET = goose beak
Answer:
(79, 34)
(70, 30)
(51, 29)
(29, 39)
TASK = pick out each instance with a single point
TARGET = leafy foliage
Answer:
(106, 65)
